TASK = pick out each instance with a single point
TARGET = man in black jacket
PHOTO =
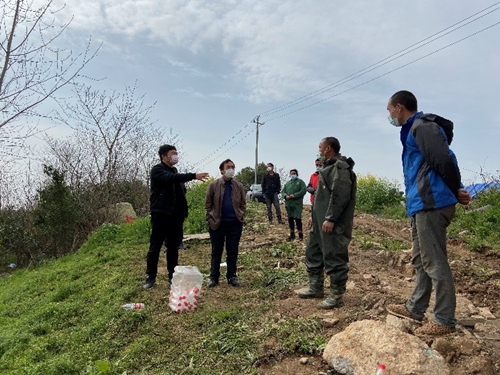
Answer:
(168, 207)
(271, 186)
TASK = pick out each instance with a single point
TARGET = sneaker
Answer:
(212, 283)
(280, 221)
(233, 281)
(401, 312)
(290, 238)
(434, 329)
(149, 283)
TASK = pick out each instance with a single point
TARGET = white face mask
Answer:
(229, 173)
(393, 121)
(269, 169)
(174, 159)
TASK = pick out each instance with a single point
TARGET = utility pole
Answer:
(257, 124)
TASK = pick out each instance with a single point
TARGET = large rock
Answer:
(117, 213)
(358, 349)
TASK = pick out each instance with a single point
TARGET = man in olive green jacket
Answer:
(331, 221)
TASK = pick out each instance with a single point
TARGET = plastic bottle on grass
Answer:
(381, 369)
(132, 306)
(185, 289)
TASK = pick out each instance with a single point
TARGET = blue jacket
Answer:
(432, 176)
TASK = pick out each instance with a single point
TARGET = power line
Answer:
(220, 147)
(383, 75)
(380, 63)
(369, 81)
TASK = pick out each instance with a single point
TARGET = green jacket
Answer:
(294, 205)
(335, 195)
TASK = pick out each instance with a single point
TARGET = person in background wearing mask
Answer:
(293, 191)
(313, 181)
(271, 186)
(433, 188)
(331, 221)
(168, 207)
(225, 209)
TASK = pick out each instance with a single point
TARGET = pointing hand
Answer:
(202, 176)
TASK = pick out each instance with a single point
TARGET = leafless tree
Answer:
(33, 67)
(114, 140)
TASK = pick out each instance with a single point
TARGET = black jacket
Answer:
(271, 184)
(166, 185)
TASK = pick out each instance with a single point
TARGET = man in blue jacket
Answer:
(168, 207)
(433, 188)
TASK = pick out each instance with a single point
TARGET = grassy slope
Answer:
(65, 318)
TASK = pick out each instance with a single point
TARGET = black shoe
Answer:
(280, 221)
(212, 283)
(149, 283)
(290, 238)
(301, 236)
(233, 281)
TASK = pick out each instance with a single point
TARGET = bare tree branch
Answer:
(34, 68)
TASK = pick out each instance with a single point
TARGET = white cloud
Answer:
(263, 54)
(192, 92)
(279, 50)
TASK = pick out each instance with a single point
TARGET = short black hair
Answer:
(294, 170)
(333, 143)
(405, 98)
(317, 160)
(165, 149)
(271, 164)
(221, 166)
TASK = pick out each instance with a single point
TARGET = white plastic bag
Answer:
(185, 289)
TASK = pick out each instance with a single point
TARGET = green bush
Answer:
(17, 242)
(376, 195)
(196, 194)
(56, 215)
(478, 225)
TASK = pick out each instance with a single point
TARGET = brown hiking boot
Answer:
(401, 312)
(434, 329)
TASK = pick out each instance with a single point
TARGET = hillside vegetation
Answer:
(64, 316)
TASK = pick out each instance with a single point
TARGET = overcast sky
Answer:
(212, 66)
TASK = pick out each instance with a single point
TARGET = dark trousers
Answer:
(291, 224)
(273, 200)
(230, 233)
(165, 229)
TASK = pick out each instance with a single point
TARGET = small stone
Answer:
(443, 347)
(351, 285)
(471, 323)
(404, 325)
(304, 360)
(270, 344)
(328, 323)
(484, 311)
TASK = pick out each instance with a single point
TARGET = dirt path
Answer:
(380, 275)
